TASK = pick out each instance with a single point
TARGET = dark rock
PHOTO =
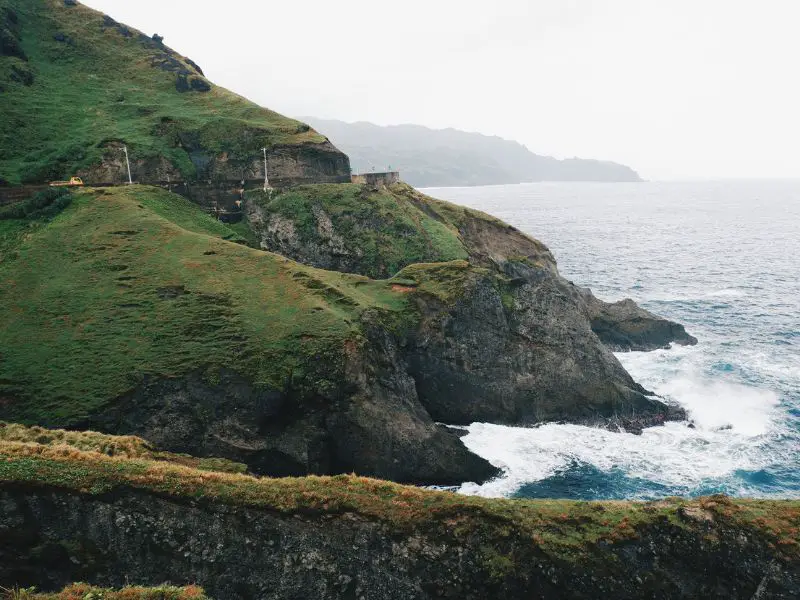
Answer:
(200, 85)
(185, 82)
(49, 537)
(194, 65)
(182, 84)
(480, 361)
(109, 22)
(370, 424)
(22, 75)
(158, 39)
(64, 39)
(10, 46)
(70, 3)
(124, 31)
(624, 326)
(168, 63)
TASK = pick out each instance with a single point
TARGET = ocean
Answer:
(722, 258)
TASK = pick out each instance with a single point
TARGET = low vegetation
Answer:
(385, 230)
(82, 591)
(74, 80)
(129, 283)
(42, 205)
(559, 527)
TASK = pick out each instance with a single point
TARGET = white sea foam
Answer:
(730, 420)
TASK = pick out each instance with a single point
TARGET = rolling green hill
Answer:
(73, 81)
(139, 282)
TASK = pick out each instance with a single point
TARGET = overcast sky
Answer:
(673, 88)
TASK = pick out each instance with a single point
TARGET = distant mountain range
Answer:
(448, 157)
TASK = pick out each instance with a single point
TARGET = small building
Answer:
(377, 179)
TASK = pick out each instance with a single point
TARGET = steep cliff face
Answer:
(518, 349)
(212, 348)
(109, 522)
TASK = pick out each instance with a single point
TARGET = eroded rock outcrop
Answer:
(625, 326)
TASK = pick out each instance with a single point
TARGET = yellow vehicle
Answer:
(73, 181)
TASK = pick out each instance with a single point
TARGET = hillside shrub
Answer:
(42, 205)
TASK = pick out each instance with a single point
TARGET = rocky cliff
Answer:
(134, 312)
(70, 516)
(513, 343)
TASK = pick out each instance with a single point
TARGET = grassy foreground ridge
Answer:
(569, 529)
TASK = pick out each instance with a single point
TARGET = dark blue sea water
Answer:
(723, 258)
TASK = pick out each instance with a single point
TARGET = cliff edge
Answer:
(72, 515)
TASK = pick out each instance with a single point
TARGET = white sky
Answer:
(673, 88)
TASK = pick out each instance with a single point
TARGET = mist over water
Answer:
(723, 258)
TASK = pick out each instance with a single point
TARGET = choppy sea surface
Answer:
(723, 258)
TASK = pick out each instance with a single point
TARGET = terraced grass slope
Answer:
(131, 283)
(75, 84)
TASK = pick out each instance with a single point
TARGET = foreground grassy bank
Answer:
(81, 591)
(75, 514)
(562, 527)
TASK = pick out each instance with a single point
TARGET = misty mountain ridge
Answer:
(449, 157)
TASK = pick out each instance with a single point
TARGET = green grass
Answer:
(384, 229)
(447, 282)
(129, 282)
(100, 86)
(572, 530)
(82, 591)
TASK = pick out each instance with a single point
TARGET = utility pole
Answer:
(266, 177)
(128, 162)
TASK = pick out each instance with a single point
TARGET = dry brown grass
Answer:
(82, 591)
(570, 529)
(120, 446)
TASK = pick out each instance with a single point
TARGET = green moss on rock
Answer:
(353, 228)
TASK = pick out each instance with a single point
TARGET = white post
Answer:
(266, 177)
(128, 162)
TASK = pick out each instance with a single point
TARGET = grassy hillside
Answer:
(376, 232)
(134, 282)
(72, 79)
(381, 230)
